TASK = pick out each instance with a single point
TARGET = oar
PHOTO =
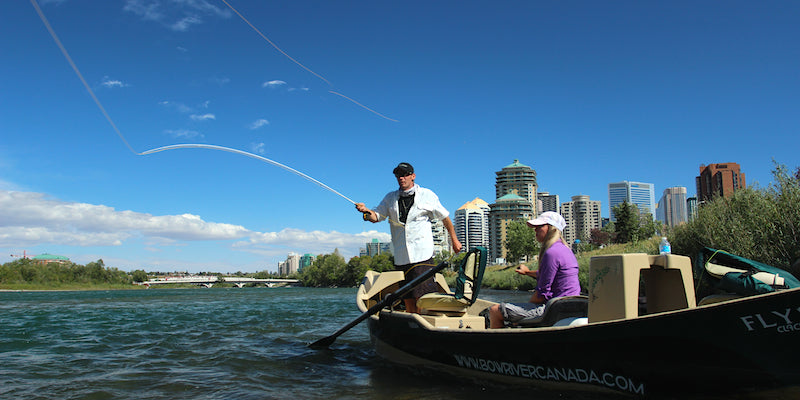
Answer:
(328, 340)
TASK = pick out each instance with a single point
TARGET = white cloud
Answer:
(257, 148)
(315, 242)
(273, 84)
(148, 10)
(259, 123)
(185, 23)
(204, 117)
(28, 218)
(177, 15)
(184, 134)
(302, 89)
(180, 107)
(112, 83)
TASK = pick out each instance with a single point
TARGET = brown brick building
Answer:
(718, 180)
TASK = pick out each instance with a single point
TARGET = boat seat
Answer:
(557, 309)
(468, 284)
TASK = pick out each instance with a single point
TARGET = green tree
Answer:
(627, 225)
(520, 241)
(356, 268)
(326, 270)
(139, 275)
(382, 262)
(648, 227)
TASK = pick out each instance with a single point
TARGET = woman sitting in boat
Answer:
(556, 276)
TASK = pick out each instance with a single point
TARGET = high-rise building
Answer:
(582, 216)
(305, 261)
(472, 224)
(671, 208)
(519, 179)
(290, 266)
(639, 193)
(718, 180)
(691, 208)
(547, 202)
(441, 239)
(505, 210)
(515, 190)
(376, 247)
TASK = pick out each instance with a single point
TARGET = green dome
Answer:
(49, 257)
(516, 164)
(511, 197)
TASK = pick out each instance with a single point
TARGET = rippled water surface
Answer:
(225, 343)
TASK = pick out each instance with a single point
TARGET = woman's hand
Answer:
(523, 269)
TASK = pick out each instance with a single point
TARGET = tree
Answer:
(382, 262)
(139, 275)
(356, 268)
(326, 270)
(520, 241)
(627, 226)
(599, 237)
(648, 227)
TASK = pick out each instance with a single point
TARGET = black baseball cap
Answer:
(403, 169)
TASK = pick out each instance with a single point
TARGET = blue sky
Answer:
(585, 92)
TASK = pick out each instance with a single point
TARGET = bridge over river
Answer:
(209, 281)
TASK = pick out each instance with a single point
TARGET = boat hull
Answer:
(749, 344)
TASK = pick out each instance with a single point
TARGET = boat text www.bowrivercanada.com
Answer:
(578, 375)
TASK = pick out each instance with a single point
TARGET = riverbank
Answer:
(499, 277)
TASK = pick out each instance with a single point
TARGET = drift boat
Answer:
(607, 341)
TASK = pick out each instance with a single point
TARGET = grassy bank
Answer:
(65, 286)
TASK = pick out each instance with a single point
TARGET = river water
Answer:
(219, 343)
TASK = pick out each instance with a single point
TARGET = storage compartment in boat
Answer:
(614, 285)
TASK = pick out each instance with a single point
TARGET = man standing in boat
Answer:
(410, 210)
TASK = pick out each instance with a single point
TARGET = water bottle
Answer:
(664, 247)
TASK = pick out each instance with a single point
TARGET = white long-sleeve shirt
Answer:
(412, 241)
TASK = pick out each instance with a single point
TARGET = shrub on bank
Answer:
(759, 224)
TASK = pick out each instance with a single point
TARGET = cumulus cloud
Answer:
(112, 83)
(185, 23)
(184, 134)
(33, 218)
(315, 242)
(259, 123)
(180, 107)
(273, 84)
(203, 117)
(177, 15)
(258, 148)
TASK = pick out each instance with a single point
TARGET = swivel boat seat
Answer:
(468, 284)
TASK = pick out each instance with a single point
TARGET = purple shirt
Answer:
(558, 272)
